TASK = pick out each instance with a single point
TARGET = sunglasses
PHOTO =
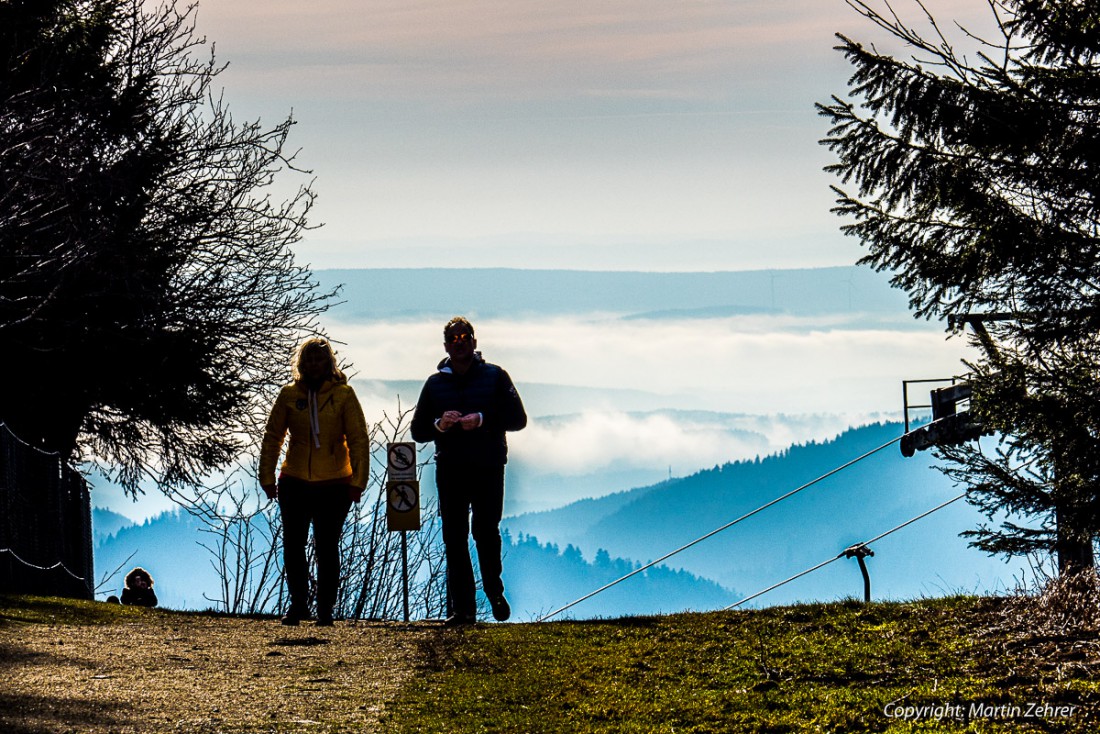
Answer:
(461, 337)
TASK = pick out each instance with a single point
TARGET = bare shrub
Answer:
(1066, 605)
(245, 545)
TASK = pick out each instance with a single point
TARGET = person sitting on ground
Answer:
(139, 589)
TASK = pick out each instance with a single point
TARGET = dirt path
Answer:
(189, 673)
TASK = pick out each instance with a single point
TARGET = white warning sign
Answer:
(403, 504)
(401, 461)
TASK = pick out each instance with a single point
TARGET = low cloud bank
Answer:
(680, 442)
(757, 364)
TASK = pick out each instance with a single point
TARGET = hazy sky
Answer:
(622, 134)
(587, 134)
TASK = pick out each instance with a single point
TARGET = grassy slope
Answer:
(831, 667)
(822, 667)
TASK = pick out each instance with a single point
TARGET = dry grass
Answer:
(1055, 631)
(153, 671)
(1067, 605)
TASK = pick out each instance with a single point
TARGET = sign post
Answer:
(402, 502)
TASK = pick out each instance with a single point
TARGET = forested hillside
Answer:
(871, 497)
(557, 556)
(540, 576)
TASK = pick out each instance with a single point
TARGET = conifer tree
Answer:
(974, 180)
(149, 298)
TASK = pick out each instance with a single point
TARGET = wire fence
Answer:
(45, 523)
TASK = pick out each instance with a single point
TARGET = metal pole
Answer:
(859, 552)
(905, 402)
(866, 579)
(405, 570)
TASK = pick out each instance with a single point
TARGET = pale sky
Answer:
(584, 134)
(588, 134)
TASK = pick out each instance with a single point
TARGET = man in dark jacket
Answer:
(465, 408)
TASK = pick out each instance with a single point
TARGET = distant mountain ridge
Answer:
(168, 546)
(495, 292)
(539, 575)
(810, 527)
(106, 523)
(554, 557)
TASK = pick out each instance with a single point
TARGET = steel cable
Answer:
(712, 533)
(841, 554)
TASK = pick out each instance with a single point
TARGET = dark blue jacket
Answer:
(484, 388)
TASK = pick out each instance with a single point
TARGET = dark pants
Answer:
(471, 498)
(325, 507)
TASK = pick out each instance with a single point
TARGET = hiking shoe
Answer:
(459, 620)
(293, 617)
(501, 610)
(324, 619)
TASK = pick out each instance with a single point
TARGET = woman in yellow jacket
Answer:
(325, 470)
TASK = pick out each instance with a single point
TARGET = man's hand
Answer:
(448, 419)
(271, 490)
(355, 493)
(470, 421)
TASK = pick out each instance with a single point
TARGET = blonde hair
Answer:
(317, 343)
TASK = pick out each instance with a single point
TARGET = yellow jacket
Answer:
(328, 436)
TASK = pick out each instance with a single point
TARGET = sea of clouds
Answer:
(639, 399)
(648, 398)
